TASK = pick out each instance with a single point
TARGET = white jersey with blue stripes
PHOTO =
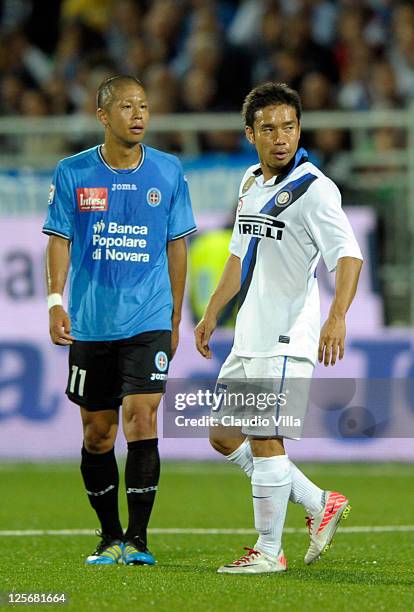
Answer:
(282, 228)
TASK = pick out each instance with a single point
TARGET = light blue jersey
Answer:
(119, 223)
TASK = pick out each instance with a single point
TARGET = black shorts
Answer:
(102, 373)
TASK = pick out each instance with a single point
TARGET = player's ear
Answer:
(101, 116)
(249, 134)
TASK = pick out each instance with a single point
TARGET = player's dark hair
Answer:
(108, 87)
(269, 94)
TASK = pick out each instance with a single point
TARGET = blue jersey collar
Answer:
(119, 170)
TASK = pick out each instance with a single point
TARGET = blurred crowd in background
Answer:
(197, 56)
(204, 55)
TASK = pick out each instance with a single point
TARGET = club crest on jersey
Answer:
(161, 361)
(51, 194)
(153, 197)
(91, 199)
(248, 184)
(283, 198)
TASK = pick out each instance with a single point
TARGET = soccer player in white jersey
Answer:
(289, 214)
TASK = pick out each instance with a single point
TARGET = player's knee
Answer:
(99, 439)
(267, 447)
(141, 422)
(222, 445)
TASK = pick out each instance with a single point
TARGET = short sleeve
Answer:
(235, 247)
(327, 224)
(181, 220)
(60, 216)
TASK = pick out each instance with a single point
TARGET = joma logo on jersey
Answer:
(261, 226)
(91, 199)
(124, 187)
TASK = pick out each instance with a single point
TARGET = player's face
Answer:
(127, 115)
(275, 134)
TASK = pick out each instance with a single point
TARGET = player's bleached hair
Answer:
(269, 94)
(108, 87)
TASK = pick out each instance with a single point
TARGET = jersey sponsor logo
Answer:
(92, 199)
(124, 187)
(161, 361)
(115, 244)
(98, 227)
(248, 184)
(51, 197)
(283, 198)
(118, 228)
(262, 226)
(154, 197)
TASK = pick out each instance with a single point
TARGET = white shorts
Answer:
(264, 396)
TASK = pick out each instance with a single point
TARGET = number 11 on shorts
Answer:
(82, 375)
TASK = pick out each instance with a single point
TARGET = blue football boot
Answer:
(137, 553)
(108, 552)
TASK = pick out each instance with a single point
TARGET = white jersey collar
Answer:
(301, 156)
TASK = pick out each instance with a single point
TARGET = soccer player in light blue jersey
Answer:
(118, 216)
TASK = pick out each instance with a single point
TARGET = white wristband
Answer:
(54, 299)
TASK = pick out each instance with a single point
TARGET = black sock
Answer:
(142, 472)
(100, 475)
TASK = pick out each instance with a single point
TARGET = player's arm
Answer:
(177, 269)
(57, 266)
(227, 288)
(333, 332)
(329, 228)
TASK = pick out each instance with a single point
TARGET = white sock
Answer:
(243, 457)
(271, 484)
(305, 492)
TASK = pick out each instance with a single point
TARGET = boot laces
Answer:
(251, 554)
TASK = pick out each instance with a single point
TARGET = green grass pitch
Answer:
(365, 570)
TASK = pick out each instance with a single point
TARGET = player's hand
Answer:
(175, 337)
(202, 334)
(59, 326)
(332, 340)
